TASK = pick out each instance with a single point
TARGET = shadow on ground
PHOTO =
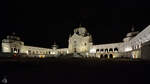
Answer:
(74, 71)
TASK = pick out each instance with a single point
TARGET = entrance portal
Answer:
(111, 56)
(101, 56)
(105, 56)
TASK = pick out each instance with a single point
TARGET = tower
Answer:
(54, 49)
(80, 41)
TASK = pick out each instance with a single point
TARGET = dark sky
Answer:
(40, 23)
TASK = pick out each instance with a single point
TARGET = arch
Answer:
(111, 56)
(137, 46)
(18, 50)
(29, 52)
(106, 50)
(97, 50)
(12, 50)
(33, 52)
(85, 44)
(37, 52)
(110, 50)
(102, 50)
(105, 56)
(116, 49)
(101, 56)
(77, 32)
(15, 50)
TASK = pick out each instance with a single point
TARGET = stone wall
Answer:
(145, 51)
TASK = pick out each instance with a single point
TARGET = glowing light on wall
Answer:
(93, 50)
(87, 54)
(128, 49)
(41, 56)
(6, 49)
(15, 51)
(27, 52)
(53, 52)
(67, 51)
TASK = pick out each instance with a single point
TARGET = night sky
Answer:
(41, 23)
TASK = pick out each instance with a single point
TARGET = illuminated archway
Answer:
(97, 50)
(115, 49)
(102, 50)
(110, 50)
(106, 50)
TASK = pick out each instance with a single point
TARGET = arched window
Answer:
(111, 56)
(37, 52)
(102, 50)
(105, 56)
(15, 49)
(18, 50)
(110, 50)
(101, 56)
(33, 52)
(97, 50)
(116, 49)
(77, 32)
(29, 52)
(106, 50)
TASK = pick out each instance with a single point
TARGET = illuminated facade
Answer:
(81, 43)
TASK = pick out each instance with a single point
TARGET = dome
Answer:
(13, 37)
(131, 34)
(80, 31)
(127, 39)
